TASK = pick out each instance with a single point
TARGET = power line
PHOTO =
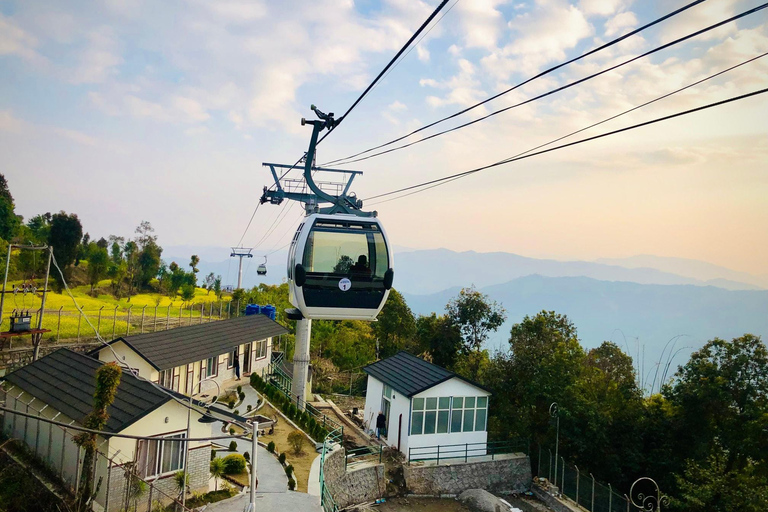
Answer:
(562, 146)
(389, 65)
(240, 243)
(561, 88)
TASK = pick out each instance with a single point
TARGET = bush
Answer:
(247, 457)
(237, 411)
(239, 390)
(271, 447)
(234, 464)
(231, 404)
(231, 431)
(281, 458)
(288, 470)
(242, 396)
(213, 454)
(249, 408)
(291, 484)
(296, 440)
(232, 446)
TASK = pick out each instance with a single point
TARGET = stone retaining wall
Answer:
(496, 476)
(362, 485)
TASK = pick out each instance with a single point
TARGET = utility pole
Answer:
(240, 252)
(37, 338)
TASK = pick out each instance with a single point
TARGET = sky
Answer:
(130, 110)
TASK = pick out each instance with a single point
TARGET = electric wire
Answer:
(659, 98)
(394, 59)
(563, 87)
(581, 141)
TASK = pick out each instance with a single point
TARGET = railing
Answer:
(364, 452)
(326, 499)
(466, 451)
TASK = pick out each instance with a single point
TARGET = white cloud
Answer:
(191, 109)
(16, 41)
(620, 22)
(396, 106)
(99, 59)
(76, 136)
(422, 53)
(9, 123)
(602, 7)
(482, 22)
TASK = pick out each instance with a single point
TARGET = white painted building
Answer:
(426, 407)
(179, 359)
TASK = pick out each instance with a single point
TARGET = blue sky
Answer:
(130, 110)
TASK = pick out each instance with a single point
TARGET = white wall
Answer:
(129, 357)
(399, 405)
(451, 388)
(372, 402)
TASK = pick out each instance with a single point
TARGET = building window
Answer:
(469, 414)
(166, 379)
(231, 359)
(430, 415)
(260, 349)
(210, 367)
(159, 456)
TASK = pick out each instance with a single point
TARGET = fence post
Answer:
(577, 484)
(237, 313)
(562, 480)
(79, 321)
(466, 449)
(98, 325)
(593, 492)
(191, 307)
(610, 498)
(538, 472)
(229, 309)
(168, 317)
(58, 327)
(202, 307)
(181, 308)
(143, 310)
(221, 304)
(114, 323)
(438, 455)
(128, 323)
(550, 465)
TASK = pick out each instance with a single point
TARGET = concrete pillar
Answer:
(301, 361)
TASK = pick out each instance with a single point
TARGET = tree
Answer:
(107, 382)
(102, 242)
(193, 262)
(296, 439)
(145, 236)
(64, 236)
(82, 251)
(217, 470)
(40, 228)
(116, 244)
(217, 287)
(131, 251)
(187, 292)
(9, 221)
(395, 326)
(209, 280)
(98, 264)
(441, 337)
(149, 262)
(476, 316)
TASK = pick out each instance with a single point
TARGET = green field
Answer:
(111, 316)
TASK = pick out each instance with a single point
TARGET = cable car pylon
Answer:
(340, 264)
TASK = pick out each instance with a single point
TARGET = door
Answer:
(247, 359)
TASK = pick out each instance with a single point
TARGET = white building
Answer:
(179, 359)
(426, 407)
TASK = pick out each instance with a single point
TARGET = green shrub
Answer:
(288, 470)
(296, 440)
(232, 446)
(239, 389)
(237, 411)
(291, 484)
(234, 463)
(247, 457)
(231, 404)
(249, 408)
(242, 396)
(231, 431)
(213, 454)
(281, 458)
(271, 447)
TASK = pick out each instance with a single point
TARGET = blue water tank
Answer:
(269, 310)
(255, 309)
(252, 309)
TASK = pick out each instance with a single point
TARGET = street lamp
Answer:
(648, 495)
(553, 412)
(207, 418)
(251, 507)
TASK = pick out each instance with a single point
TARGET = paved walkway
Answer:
(279, 502)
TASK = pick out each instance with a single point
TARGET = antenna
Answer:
(240, 252)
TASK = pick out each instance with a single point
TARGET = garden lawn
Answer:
(302, 462)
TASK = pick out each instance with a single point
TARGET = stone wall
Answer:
(550, 501)
(496, 476)
(352, 487)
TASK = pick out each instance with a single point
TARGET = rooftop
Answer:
(410, 375)
(182, 345)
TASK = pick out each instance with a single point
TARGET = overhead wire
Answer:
(575, 143)
(436, 183)
(563, 87)
(539, 75)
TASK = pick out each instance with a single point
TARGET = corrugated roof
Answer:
(66, 381)
(409, 374)
(182, 345)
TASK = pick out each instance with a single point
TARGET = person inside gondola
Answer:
(361, 267)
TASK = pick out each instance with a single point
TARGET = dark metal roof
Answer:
(409, 374)
(182, 345)
(66, 381)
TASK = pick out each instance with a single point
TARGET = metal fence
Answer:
(464, 452)
(363, 453)
(52, 448)
(578, 485)
(326, 499)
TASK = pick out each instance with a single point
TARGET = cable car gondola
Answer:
(340, 267)
(262, 269)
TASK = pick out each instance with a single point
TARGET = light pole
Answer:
(553, 412)
(648, 495)
(251, 507)
(186, 445)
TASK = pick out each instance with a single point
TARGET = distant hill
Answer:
(429, 271)
(652, 313)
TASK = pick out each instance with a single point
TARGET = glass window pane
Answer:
(480, 420)
(456, 420)
(482, 401)
(442, 422)
(432, 403)
(170, 454)
(382, 261)
(469, 420)
(418, 404)
(457, 402)
(469, 402)
(429, 422)
(335, 251)
(445, 402)
(417, 422)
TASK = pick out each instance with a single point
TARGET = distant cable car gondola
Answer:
(262, 270)
(340, 267)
